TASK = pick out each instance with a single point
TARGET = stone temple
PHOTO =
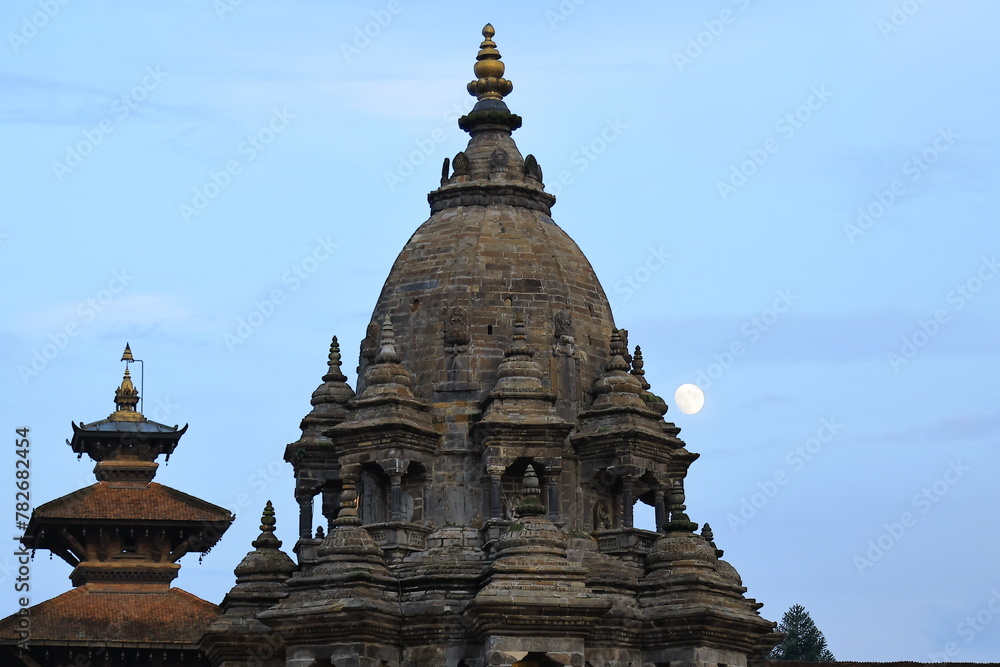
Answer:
(478, 484)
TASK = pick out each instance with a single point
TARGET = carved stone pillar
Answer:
(496, 496)
(305, 516)
(628, 500)
(661, 509)
(396, 496)
(552, 492)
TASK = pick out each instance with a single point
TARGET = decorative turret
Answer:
(260, 584)
(351, 596)
(557, 603)
(617, 387)
(330, 398)
(519, 396)
(387, 376)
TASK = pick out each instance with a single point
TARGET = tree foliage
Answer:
(803, 640)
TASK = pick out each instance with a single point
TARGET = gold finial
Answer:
(127, 354)
(490, 84)
(126, 398)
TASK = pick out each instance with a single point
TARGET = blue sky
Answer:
(792, 204)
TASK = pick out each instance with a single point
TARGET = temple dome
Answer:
(490, 252)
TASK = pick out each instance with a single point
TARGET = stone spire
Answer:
(351, 596)
(329, 401)
(260, 584)
(348, 542)
(652, 401)
(334, 389)
(261, 575)
(387, 376)
(519, 395)
(617, 387)
(530, 504)
(556, 603)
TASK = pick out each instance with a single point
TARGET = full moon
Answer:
(689, 398)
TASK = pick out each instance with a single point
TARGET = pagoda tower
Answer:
(123, 536)
(477, 487)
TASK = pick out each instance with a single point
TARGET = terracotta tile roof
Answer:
(171, 616)
(152, 503)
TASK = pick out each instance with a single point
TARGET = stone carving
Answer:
(460, 164)
(602, 515)
(369, 346)
(564, 324)
(499, 160)
(444, 172)
(456, 329)
(532, 169)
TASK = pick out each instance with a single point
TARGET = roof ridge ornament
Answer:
(126, 400)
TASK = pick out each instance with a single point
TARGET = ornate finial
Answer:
(267, 520)
(679, 521)
(333, 363)
(127, 354)
(520, 345)
(387, 342)
(333, 358)
(706, 532)
(334, 388)
(126, 398)
(530, 492)
(267, 523)
(637, 365)
(490, 84)
(348, 515)
(618, 352)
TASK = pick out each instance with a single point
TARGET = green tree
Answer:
(803, 640)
